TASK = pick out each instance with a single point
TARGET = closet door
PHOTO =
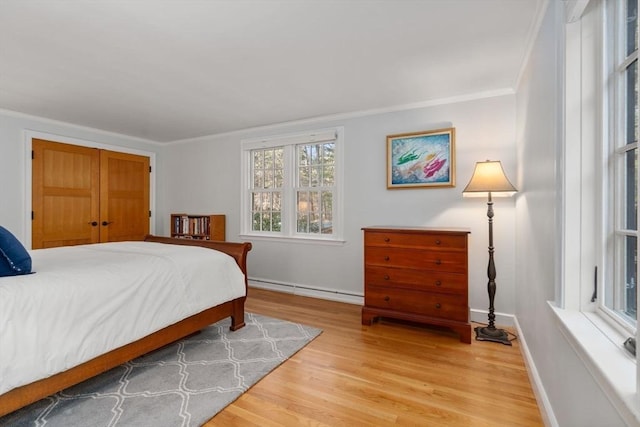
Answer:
(65, 194)
(124, 196)
(84, 195)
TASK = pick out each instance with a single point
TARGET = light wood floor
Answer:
(388, 374)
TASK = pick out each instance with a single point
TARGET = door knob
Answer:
(93, 223)
(106, 222)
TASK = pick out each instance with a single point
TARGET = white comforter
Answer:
(86, 300)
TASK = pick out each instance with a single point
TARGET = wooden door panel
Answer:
(124, 196)
(65, 196)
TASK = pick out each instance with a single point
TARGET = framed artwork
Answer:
(421, 159)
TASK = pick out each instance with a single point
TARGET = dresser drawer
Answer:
(445, 306)
(416, 279)
(424, 241)
(454, 262)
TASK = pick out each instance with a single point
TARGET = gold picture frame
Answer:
(421, 159)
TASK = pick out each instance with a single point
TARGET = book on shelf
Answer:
(206, 227)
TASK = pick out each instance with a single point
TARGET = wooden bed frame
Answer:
(29, 393)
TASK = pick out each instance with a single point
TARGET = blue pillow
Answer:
(14, 258)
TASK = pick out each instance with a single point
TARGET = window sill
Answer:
(289, 239)
(600, 348)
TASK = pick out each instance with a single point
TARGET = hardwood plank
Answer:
(387, 374)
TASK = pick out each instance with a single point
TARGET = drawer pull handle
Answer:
(438, 242)
(438, 262)
(438, 283)
(386, 257)
(386, 277)
(386, 298)
(438, 305)
(387, 240)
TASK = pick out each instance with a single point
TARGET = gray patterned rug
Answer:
(183, 384)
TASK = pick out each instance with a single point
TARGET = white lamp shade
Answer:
(489, 177)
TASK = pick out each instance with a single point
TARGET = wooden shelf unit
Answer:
(417, 274)
(201, 227)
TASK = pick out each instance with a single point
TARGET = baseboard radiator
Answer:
(306, 290)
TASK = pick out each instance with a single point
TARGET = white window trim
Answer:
(336, 238)
(596, 341)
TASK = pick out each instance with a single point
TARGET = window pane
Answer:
(303, 223)
(278, 168)
(304, 155)
(302, 212)
(277, 201)
(632, 26)
(266, 221)
(314, 223)
(268, 159)
(257, 221)
(314, 212)
(268, 179)
(622, 296)
(303, 176)
(279, 158)
(303, 202)
(632, 102)
(315, 154)
(258, 160)
(258, 179)
(327, 212)
(631, 279)
(276, 221)
(266, 202)
(630, 210)
(328, 153)
(316, 173)
(278, 178)
(328, 176)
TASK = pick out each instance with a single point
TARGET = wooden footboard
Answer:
(22, 396)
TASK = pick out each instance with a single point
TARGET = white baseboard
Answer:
(290, 288)
(482, 316)
(546, 410)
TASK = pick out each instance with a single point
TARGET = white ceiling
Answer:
(166, 70)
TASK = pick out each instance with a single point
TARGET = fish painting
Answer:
(420, 159)
(433, 166)
(407, 157)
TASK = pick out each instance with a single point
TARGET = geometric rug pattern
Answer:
(183, 384)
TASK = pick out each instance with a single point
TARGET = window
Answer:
(621, 194)
(291, 186)
(596, 306)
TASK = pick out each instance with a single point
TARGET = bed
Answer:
(103, 308)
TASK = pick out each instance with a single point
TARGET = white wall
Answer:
(572, 396)
(203, 177)
(14, 162)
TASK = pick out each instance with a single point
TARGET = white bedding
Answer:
(86, 300)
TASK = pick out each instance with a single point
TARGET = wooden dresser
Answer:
(417, 274)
